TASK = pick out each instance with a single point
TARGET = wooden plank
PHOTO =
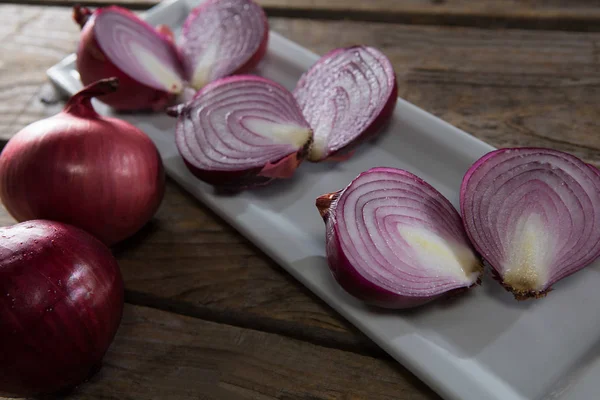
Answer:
(188, 260)
(506, 87)
(159, 355)
(577, 15)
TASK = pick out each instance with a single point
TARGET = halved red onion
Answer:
(534, 215)
(394, 241)
(221, 38)
(241, 131)
(116, 43)
(347, 97)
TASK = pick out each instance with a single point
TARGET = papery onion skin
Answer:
(347, 274)
(205, 27)
(98, 173)
(61, 302)
(228, 177)
(93, 65)
(316, 91)
(527, 179)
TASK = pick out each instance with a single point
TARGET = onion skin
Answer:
(249, 178)
(100, 174)
(541, 209)
(61, 304)
(93, 65)
(356, 284)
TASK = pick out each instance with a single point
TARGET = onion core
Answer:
(396, 242)
(534, 215)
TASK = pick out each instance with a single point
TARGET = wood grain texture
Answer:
(31, 40)
(507, 87)
(159, 355)
(577, 15)
(189, 261)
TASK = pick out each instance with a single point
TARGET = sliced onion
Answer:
(395, 242)
(347, 97)
(242, 131)
(534, 215)
(221, 38)
(116, 43)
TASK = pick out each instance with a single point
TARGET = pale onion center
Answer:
(440, 256)
(204, 67)
(279, 133)
(168, 78)
(528, 256)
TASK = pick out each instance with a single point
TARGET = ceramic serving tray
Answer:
(482, 346)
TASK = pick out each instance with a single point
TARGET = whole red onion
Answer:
(114, 42)
(100, 174)
(61, 302)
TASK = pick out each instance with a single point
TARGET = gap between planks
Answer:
(561, 19)
(309, 334)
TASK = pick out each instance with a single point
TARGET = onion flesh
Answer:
(534, 215)
(116, 43)
(61, 301)
(347, 97)
(394, 241)
(222, 38)
(100, 174)
(241, 131)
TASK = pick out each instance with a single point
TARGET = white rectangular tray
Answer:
(484, 345)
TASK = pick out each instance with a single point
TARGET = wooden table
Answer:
(208, 316)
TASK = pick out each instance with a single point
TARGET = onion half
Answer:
(347, 97)
(241, 131)
(221, 38)
(114, 42)
(394, 241)
(61, 301)
(534, 215)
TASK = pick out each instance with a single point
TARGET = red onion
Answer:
(61, 301)
(241, 131)
(221, 38)
(534, 215)
(116, 43)
(347, 97)
(394, 241)
(100, 174)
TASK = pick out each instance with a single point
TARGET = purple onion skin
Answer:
(61, 302)
(249, 178)
(93, 65)
(100, 174)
